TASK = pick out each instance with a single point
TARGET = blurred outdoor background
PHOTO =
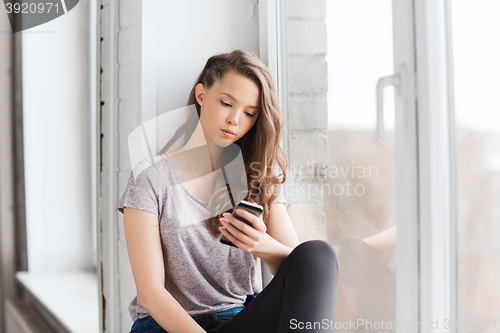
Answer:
(359, 53)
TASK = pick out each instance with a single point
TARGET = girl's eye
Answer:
(225, 104)
(248, 113)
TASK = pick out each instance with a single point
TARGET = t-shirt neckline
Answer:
(184, 188)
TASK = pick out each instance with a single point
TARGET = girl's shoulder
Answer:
(147, 164)
(150, 172)
(145, 186)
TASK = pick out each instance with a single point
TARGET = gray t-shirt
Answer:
(202, 274)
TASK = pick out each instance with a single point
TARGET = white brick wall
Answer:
(307, 76)
(306, 37)
(129, 94)
(307, 113)
(128, 38)
(120, 32)
(307, 84)
(309, 9)
(311, 145)
(129, 10)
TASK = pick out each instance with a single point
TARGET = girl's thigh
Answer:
(149, 325)
(303, 288)
(260, 315)
(146, 325)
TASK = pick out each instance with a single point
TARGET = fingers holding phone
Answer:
(245, 227)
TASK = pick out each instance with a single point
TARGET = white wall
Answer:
(189, 33)
(57, 142)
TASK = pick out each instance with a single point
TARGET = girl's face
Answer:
(229, 108)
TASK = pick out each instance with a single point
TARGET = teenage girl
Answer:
(186, 279)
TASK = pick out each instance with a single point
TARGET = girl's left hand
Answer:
(241, 234)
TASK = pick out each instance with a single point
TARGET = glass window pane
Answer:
(476, 50)
(335, 57)
(360, 203)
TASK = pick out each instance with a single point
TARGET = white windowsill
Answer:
(72, 297)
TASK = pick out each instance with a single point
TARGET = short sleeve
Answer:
(281, 196)
(141, 191)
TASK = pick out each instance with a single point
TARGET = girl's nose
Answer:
(233, 118)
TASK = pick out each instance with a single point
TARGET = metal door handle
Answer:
(392, 80)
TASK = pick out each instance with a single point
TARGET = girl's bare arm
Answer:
(146, 258)
(283, 238)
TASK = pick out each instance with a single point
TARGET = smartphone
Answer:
(249, 207)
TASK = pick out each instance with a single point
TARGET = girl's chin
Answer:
(222, 144)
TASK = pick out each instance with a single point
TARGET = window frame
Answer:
(17, 295)
(425, 173)
(436, 163)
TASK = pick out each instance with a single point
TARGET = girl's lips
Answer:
(227, 134)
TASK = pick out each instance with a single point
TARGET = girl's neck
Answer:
(199, 139)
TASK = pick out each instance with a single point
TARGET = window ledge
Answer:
(71, 297)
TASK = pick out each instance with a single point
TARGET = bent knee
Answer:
(318, 251)
(316, 246)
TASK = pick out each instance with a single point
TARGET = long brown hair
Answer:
(260, 145)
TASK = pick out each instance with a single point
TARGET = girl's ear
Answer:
(199, 92)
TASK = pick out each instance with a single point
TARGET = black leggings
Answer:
(300, 297)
